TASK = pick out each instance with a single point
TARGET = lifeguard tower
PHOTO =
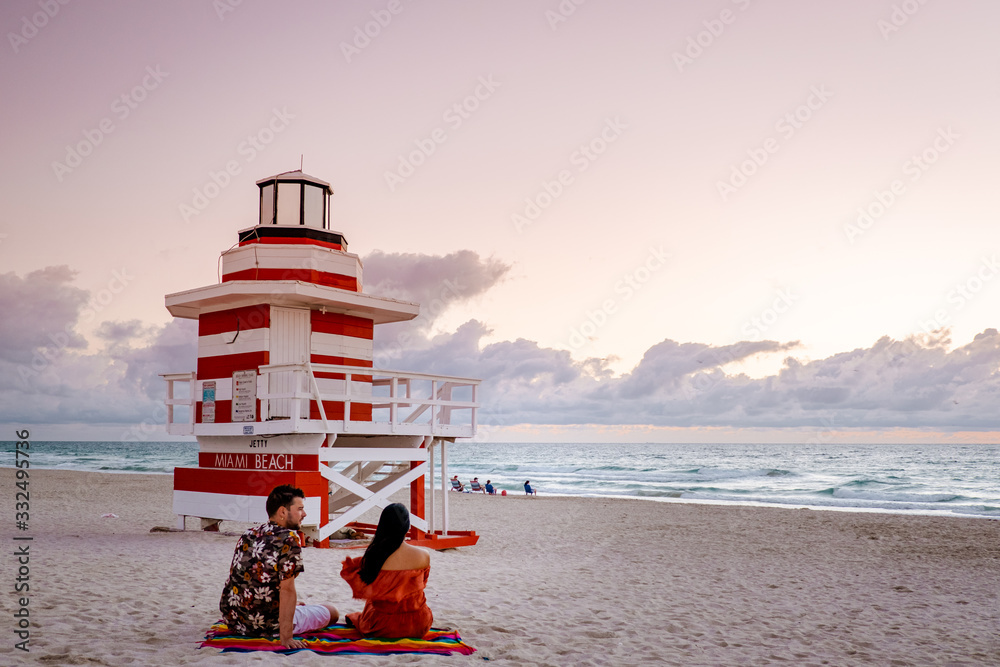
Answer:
(285, 391)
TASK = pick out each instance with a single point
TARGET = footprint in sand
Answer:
(600, 634)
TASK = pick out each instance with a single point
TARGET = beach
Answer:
(552, 581)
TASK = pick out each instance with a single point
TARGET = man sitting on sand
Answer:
(456, 485)
(475, 486)
(259, 599)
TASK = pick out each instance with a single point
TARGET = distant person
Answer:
(475, 486)
(489, 488)
(528, 490)
(390, 577)
(456, 485)
(259, 599)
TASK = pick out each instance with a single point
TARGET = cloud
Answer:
(920, 382)
(436, 282)
(174, 349)
(117, 385)
(47, 372)
(39, 313)
(665, 365)
(917, 382)
(120, 332)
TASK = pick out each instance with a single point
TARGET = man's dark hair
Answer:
(282, 496)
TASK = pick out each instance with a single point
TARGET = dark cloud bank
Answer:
(48, 375)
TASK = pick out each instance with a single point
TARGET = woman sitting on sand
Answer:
(390, 577)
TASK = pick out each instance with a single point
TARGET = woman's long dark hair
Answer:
(392, 528)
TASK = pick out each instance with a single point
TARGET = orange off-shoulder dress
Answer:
(395, 605)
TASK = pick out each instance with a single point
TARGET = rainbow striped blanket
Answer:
(339, 638)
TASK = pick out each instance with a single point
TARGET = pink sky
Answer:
(652, 206)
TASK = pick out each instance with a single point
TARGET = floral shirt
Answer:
(265, 556)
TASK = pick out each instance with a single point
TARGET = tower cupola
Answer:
(293, 198)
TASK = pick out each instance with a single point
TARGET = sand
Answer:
(553, 581)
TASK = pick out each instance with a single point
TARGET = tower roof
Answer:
(295, 177)
(292, 293)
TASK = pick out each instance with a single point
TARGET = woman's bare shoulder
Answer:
(424, 555)
(408, 557)
(417, 557)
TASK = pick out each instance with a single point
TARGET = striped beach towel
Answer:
(339, 638)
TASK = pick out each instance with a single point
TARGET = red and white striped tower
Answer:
(285, 391)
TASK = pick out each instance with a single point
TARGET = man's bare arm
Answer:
(287, 599)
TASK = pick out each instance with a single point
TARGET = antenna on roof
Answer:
(301, 158)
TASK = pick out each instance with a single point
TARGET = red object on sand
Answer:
(420, 538)
(504, 492)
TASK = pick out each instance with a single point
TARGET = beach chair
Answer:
(475, 486)
(456, 485)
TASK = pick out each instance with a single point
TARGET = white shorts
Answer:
(309, 617)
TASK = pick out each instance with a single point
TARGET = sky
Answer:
(655, 221)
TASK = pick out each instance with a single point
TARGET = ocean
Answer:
(951, 480)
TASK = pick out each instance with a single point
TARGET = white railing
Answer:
(402, 402)
(179, 428)
(405, 402)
